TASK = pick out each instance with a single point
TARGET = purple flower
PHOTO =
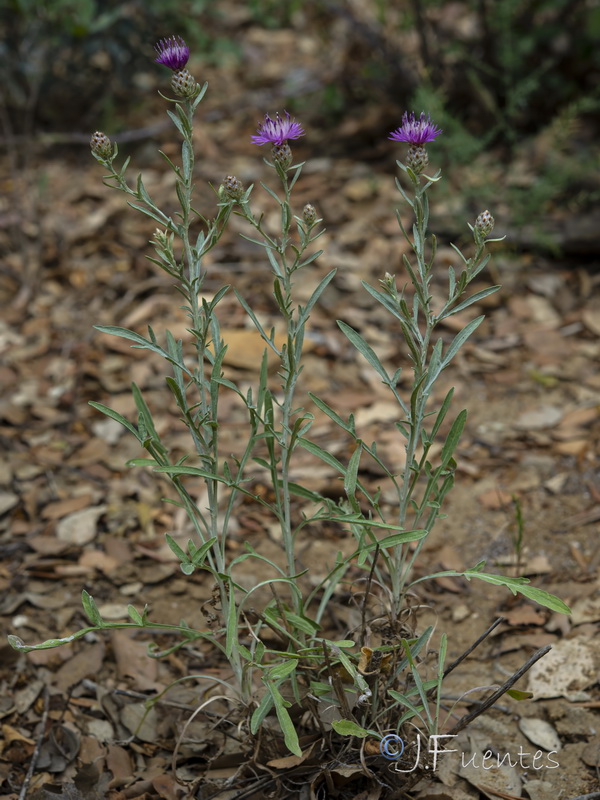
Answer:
(277, 131)
(172, 52)
(415, 131)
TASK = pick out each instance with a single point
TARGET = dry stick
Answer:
(496, 792)
(475, 644)
(431, 693)
(590, 796)
(462, 723)
(261, 783)
(38, 747)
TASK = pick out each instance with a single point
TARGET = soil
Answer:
(74, 517)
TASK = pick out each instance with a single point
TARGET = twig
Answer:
(475, 644)
(38, 747)
(259, 784)
(590, 796)
(468, 718)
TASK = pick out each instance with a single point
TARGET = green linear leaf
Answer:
(324, 455)
(282, 670)
(396, 539)
(345, 727)
(516, 586)
(333, 415)
(365, 350)
(460, 339)
(135, 615)
(287, 726)
(91, 609)
(117, 417)
(453, 437)
(265, 705)
(468, 302)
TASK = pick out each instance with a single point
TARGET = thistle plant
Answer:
(356, 686)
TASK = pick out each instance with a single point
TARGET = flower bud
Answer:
(161, 238)
(233, 188)
(388, 284)
(282, 155)
(309, 215)
(484, 223)
(184, 84)
(417, 158)
(101, 145)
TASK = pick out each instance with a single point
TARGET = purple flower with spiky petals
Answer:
(172, 52)
(277, 131)
(415, 131)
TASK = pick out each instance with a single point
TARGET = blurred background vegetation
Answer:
(519, 78)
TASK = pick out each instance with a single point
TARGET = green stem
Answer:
(207, 446)
(401, 557)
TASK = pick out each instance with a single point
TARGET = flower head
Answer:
(415, 131)
(309, 214)
(184, 84)
(233, 188)
(484, 223)
(172, 52)
(277, 131)
(101, 145)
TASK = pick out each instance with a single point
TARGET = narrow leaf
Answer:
(176, 549)
(460, 339)
(319, 290)
(287, 726)
(135, 615)
(345, 727)
(365, 350)
(518, 694)
(324, 455)
(117, 417)
(453, 437)
(468, 302)
(265, 705)
(280, 671)
(326, 409)
(351, 476)
(399, 538)
(91, 609)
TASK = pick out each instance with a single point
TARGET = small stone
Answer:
(540, 418)
(8, 500)
(113, 611)
(541, 733)
(80, 527)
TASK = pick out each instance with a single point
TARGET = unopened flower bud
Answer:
(484, 223)
(309, 214)
(282, 154)
(417, 158)
(388, 284)
(233, 187)
(101, 145)
(184, 84)
(161, 238)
